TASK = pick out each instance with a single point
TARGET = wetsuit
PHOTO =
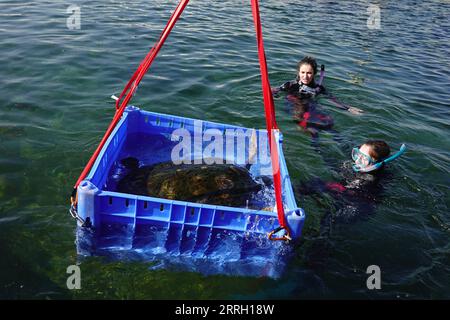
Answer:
(304, 91)
(354, 194)
(352, 200)
(303, 107)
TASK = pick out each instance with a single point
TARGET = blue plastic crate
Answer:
(177, 228)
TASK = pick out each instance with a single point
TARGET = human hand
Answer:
(275, 91)
(354, 110)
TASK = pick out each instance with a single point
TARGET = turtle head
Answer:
(130, 163)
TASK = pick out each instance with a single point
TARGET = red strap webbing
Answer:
(270, 115)
(132, 85)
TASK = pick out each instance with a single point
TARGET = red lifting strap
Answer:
(133, 83)
(271, 124)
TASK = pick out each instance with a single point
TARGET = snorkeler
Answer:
(300, 94)
(372, 155)
(359, 187)
(352, 196)
(304, 84)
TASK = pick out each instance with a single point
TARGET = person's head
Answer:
(369, 153)
(306, 70)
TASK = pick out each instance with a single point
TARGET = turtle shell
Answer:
(218, 184)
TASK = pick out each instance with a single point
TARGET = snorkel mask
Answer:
(365, 163)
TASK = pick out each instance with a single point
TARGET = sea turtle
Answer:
(217, 184)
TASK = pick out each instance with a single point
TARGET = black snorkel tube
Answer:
(322, 74)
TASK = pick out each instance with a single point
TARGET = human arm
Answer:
(284, 87)
(318, 186)
(341, 105)
(321, 89)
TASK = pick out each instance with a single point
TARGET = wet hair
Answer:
(308, 60)
(379, 150)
